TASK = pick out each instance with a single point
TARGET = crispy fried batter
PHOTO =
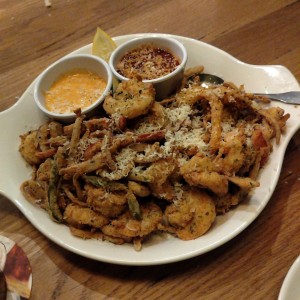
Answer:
(192, 215)
(131, 99)
(149, 166)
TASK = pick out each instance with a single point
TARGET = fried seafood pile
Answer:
(146, 167)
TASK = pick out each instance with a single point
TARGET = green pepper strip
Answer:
(95, 180)
(134, 206)
(109, 185)
(53, 208)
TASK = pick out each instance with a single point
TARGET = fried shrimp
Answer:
(108, 203)
(126, 226)
(77, 216)
(139, 189)
(131, 99)
(38, 145)
(192, 215)
(28, 148)
(231, 156)
(34, 191)
(200, 171)
(159, 171)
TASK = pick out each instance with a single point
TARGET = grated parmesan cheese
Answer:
(177, 116)
(184, 139)
(124, 163)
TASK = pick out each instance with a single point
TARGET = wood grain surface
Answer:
(252, 265)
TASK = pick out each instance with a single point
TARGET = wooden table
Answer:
(252, 265)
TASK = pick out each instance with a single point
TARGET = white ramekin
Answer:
(165, 85)
(64, 65)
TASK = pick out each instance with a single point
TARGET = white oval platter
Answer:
(24, 115)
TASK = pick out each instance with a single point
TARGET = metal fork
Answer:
(288, 97)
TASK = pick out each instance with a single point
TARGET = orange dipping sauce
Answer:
(73, 90)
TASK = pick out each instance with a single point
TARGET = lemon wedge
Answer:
(103, 44)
